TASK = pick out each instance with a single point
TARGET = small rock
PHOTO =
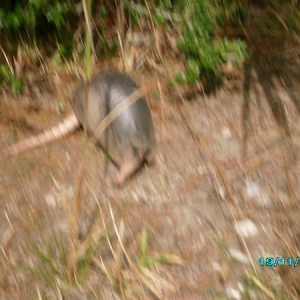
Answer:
(216, 267)
(226, 132)
(254, 191)
(233, 293)
(239, 256)
(50, 200)
(246, 228)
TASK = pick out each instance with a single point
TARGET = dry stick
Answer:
(7, 61)
(93, 235)
(73, 216)
(113, 114)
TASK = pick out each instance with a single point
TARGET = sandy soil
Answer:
(192, 203)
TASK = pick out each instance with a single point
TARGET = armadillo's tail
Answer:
(55, 133)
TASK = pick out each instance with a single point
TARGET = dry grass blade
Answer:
(7, 61)
(73, 217)
(152, 281)
(152, 278)
(171, 16)
(258, 283)
(154, 32)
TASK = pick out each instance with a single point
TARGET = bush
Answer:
(55, 22)
(205, 53)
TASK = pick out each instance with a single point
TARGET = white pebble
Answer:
(233, 293)
(239, 256)
(245, 228)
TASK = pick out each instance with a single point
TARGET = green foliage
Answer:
(52, 24)
(7, 77)
(198, 21)
(47, 267)
(30, 14)
(85, 263)
(145, 260)
(50, 262)
(203, 51)
(34, 19)
(231, 12)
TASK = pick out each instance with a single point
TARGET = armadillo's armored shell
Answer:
(133, 128)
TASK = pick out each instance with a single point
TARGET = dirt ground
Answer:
(210, 217)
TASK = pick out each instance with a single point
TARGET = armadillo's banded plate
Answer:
(132, 128)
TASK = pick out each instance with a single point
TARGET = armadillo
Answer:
(129, 140)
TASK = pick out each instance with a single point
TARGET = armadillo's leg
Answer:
(108, 157)
(131, 162)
